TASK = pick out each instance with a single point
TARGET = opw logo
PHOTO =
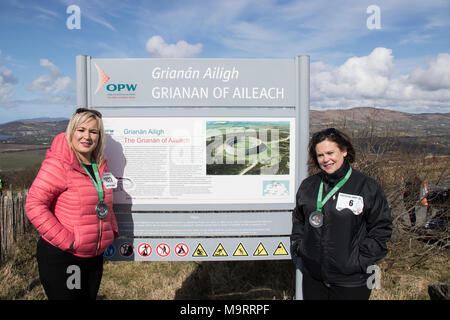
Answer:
(121, 86)
(103, 78)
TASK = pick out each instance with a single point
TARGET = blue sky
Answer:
(403, 65)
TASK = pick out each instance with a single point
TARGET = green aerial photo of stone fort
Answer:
(247, 147)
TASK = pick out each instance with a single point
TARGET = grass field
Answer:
(405, 275)
(20, 160)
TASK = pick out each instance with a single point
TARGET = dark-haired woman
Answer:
(341, 223)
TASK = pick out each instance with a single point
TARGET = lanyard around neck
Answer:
(97, 181)
(321, 202)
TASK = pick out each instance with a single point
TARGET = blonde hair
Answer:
(77, 119)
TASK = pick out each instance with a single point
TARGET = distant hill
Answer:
(45, 119)
(32, 131)
(383, 121)
(408, 132)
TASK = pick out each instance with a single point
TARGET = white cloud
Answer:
(436, 76)
(46, 13)
(7, 80)
(284, 29)
(158, 48)
(358, 77)
(99, 20)
(369, 81)
(51, 82)
(416, 38)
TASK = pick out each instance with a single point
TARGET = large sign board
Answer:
(203, 160)
(208, 153)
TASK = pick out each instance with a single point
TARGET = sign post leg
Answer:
(302, 101)
(81, 74)
(298, 284)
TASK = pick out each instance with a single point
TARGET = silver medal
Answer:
(101, 210)
(316, 219)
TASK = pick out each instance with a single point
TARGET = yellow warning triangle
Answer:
(240, 251)
(199, 251)
(281, 250)
(260, 250)
(220, 251)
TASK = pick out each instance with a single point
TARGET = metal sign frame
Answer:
(165, 232)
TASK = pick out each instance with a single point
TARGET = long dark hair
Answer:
(331, 134)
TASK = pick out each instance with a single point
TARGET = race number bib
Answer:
(350, 201)
(109, 181)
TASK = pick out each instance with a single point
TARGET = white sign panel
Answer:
(201, 160)
(192, 82)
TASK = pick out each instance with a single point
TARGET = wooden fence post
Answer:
(13, 220)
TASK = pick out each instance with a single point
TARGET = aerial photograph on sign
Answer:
(247, 147)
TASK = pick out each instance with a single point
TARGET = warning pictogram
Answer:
(181, 250)
(163, 250)
(220, 251)
(280, 250)
(199, 251)
(126, 249)
(144, 249)
(240, 251)
(260, 250)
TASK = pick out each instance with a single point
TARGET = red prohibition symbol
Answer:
(126, 249)
(163, 250)
(181, 250)
(144, 249)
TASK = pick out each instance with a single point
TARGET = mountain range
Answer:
(383, 121)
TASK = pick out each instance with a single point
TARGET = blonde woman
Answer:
(72, 210)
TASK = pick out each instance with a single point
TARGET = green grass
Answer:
(405, 276)
(198, 280)
(21, 160)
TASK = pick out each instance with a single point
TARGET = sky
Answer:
(375, 53)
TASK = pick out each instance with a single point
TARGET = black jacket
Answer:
(349, 241)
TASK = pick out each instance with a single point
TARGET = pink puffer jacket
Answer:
(61, 204)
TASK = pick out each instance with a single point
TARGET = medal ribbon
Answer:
(97, 183)
(321, 203)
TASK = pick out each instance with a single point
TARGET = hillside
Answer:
(383, 120)
(31, 132)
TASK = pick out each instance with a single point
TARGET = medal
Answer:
(101, 210)
(316, 219)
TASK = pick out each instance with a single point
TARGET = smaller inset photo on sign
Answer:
(276, 188)
(247, 147)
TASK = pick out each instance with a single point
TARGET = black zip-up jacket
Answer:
(357, 223)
